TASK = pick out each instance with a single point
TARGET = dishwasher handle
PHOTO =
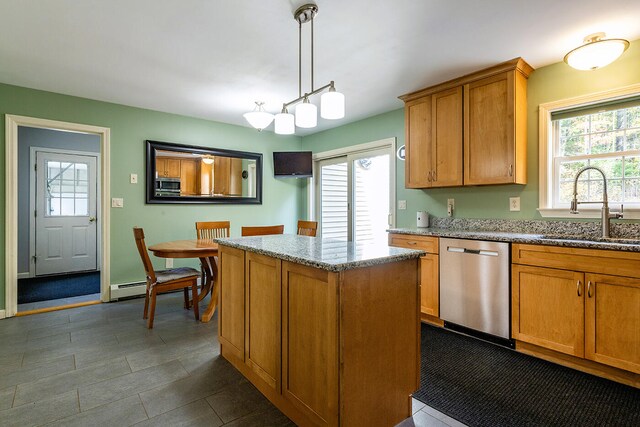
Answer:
(471, 251)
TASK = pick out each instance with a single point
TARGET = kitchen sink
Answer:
(620, 240)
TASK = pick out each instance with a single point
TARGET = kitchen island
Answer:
(327, 330)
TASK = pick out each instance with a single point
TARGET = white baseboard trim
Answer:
(2, 314)
(24, 275)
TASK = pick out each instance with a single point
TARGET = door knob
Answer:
(92, 219)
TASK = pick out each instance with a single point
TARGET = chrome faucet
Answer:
(606, 215)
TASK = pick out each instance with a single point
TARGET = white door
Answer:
(354, 196)
(66, 222)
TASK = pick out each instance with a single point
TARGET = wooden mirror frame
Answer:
(152, 198)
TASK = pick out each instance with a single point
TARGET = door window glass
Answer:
(67, 190)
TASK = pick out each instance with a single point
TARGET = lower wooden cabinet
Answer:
(314, 341)
(576, 310)
(429, 272)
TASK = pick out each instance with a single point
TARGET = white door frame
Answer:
(32, 200)
(12, 122)
(389, 143)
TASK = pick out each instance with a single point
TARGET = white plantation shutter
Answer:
(334, 192)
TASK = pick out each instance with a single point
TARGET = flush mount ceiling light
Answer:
(306, 113)
(258, 118)
(596, 52)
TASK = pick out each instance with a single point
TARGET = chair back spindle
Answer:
(213, 229)
(307, 228)
(138, 233)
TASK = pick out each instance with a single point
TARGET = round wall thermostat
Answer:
(400, 153)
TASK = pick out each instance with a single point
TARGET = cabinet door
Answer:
(161, 167)
(310, 342)
(446, 131)
(235, 177)
(262, 339)
(189, 177)
(489, 130)
(612, 322)
(221, 172)
(418, 143)
(429, 285)
(232, 300)
(548, 308)
(173, 168)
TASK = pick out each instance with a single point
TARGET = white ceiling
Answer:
(213, 58)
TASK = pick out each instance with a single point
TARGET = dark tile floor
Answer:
(99, 365)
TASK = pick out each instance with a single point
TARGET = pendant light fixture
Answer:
(258, 118)
(306, 113)
(596, 52)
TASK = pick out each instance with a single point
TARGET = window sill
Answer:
(585, 213)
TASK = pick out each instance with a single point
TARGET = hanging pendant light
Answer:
(306, 113)
(258, 118)
(332, 104)
(596, 52)
(284, 123)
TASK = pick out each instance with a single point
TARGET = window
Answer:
(603, 132)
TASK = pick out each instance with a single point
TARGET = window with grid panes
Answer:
(606, 136)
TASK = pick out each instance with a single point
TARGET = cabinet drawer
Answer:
(426, 243)
(618, 263)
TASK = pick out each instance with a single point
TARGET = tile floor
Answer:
(99, 365)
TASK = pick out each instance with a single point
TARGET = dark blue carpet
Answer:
(56, 287)
(481, 384)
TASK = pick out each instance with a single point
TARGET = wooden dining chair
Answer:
(307, 228)
(164, 281)
(212, 229)
(262, 230)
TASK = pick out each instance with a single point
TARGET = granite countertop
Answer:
(327, 254)
(554, 236)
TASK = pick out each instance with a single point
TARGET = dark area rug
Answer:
(56, 287)
(482, 384)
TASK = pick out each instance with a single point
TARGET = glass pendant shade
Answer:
(284, 124)
(596, 53)
(259, 119)
(306, 115)
(332, 105)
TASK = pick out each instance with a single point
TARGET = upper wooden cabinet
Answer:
(469, 131)
(168, 167)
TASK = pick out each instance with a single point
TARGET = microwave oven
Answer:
(167, 186)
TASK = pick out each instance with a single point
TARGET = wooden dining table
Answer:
(207, 251)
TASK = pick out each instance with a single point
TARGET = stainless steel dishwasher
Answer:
(474, 285)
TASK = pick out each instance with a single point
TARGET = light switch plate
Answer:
(514, 204)
(134, 178)
(117, 202)
(402, 205)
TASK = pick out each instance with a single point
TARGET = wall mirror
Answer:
(189, 174)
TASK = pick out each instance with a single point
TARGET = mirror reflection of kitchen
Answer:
(184, 173)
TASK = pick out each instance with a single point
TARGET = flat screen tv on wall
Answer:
(292, 164)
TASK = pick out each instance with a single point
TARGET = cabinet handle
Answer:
(429, 177)
(579, 288)
(411, 243)
(434, 176)
(510, 170)
(589, 288)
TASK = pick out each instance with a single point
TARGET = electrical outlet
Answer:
(450, 206)
(117, 202)
(514, 204)
(133, 178)
(168, 263)
(402, 205)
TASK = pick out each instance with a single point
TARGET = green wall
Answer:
(550, 83)
(130, 127)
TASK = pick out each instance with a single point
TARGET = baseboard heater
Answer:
(130, 290)
(127, 290)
